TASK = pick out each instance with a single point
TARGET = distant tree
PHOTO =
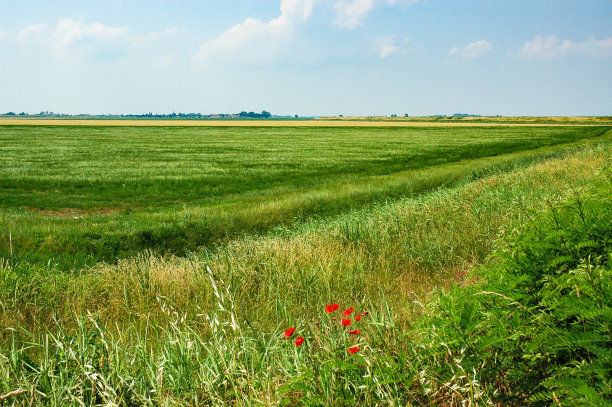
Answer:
(9, 114)
(265, 114)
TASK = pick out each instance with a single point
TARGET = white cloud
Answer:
(257, 42)
(387, 50)
(552, 47)
(351, 13)
(386, 46)
(296, 8)
(473, 50)
(92, 41)
(34, 32)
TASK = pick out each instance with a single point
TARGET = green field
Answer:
(85, 194)
(162, 265)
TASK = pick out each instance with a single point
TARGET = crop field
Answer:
(164, 265)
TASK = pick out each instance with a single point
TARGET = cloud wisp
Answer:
(554, 47)
(257, 42)
(352, 13)
(387, 46)
(474, 50)
(32, 33)
(87, 41)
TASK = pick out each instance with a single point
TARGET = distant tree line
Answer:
(253, 115)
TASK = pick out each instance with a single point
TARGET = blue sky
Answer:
(307, 57)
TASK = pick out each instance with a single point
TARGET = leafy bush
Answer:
(537, 328)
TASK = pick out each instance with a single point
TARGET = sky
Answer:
(307, 57)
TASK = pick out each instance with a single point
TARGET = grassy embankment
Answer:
(159, 332)
(79, 195)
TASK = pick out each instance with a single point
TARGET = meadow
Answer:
(79, 195)
(479, 257)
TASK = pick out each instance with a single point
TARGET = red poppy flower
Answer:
(348, 311)
(289, 332)
(346, 322)
(299, 341)
(357, 317)
(354, 332)
(331, 307)
(354, 349)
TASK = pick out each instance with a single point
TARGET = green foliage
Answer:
(537, 329)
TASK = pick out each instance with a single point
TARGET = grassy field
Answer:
(481, 255)
(79, 195)
(207, 329)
